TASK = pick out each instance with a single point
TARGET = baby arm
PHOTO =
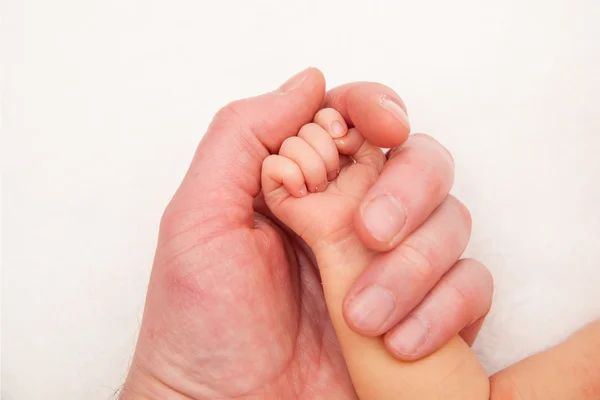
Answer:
(315, 185)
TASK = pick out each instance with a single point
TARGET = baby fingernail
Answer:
(337, 129)
(409, 336)
(331, 175)
(369, 310)
(321, 187)
(303, 191)
(384, 217)
(395, 110)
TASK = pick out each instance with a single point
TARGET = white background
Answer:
(105, 100)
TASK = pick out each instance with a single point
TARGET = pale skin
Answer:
(235, 306)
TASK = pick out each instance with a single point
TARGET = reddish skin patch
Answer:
(209, 319)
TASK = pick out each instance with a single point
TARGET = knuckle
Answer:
(448, 154)
(461, 208)
(309, 128)
(434, 179)
(270, 164)
(431, 179)
(230, 114)
(168, 221)
(474, 268)
(463, 294)
(472, 287)
(486, 303)
(425, 151)
(319, 115)
(462, 297)
(268, 161)
(487, 278)
(418, 254)
(238, 117)
(330, 110)
(326, 113)
(309, 131)
(437, 145)
(232, 119)
(304, 134)
(290, 144)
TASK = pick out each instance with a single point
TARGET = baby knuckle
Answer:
(270, 163)
(326, 113)
(289, 145)
(308, 130)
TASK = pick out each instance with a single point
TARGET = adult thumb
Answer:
(223, 179)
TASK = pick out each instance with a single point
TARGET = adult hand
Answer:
(235, 307)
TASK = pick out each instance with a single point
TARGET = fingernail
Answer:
(294, 82)
(384, 217)
(337, 129)
(321, 187)
(409, 336)
(331, 175)
(371, 308)
(303, 191)
(396, 110)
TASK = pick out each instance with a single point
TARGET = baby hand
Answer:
(417, 294)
